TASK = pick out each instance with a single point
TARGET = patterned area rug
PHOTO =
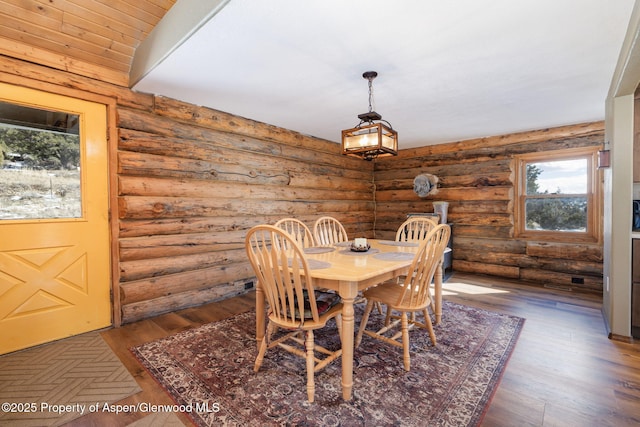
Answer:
(209, 372)
(55, 383)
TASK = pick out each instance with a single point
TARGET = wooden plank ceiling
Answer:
(93, 38)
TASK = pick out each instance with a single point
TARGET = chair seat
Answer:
(309, 324)
(389, 293)
(324, 302)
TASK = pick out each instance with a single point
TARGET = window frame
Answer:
(593, 232)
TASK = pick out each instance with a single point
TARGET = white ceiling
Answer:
(447, 70)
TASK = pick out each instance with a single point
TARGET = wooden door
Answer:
(54, 267)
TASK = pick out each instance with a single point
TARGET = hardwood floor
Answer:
(564, 370)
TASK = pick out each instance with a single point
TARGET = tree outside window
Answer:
(557, 195)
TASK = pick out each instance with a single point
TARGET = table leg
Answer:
(437, 284)
(348, 292)
(260, 314)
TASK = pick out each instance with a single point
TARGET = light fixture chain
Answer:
(370, 94)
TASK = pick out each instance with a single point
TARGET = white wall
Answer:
(618, 187)
(618, 183)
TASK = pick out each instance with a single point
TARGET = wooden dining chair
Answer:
(412, 230)
(329, 231)
(294, 305)
(415, 229)
(410, 297)
(298, 229)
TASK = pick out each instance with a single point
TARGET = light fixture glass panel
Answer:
(389, 141)
(363, 139)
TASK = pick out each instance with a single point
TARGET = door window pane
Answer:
(40, 154)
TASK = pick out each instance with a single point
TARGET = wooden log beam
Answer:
(476, 180)
(148, 268)
(174, 207)
(582, 252)
(193, 225)
(161, 166)
(483, 268)
(172, 284)
(467, 244)
(159, 246)
(528, 137)
(150, 186)
(482, 193)
(149, 308)
(433, 166)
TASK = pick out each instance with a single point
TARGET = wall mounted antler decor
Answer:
(425, 185)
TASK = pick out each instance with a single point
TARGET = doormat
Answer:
(55, 383)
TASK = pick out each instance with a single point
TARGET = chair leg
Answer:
(311, 388)
(379, 307)
(425, 314)
(263, 347)
(387, 318)
(405, 341)
(427, 321)
(363, 322)
(338, 320)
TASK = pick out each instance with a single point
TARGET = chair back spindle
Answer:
(415, 229)
(329, 231)
(298, 229)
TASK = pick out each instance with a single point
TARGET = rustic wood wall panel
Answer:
(191, 181)
(476, 177)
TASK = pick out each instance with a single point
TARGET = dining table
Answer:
(339, 268)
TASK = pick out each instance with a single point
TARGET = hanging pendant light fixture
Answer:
(372, 137)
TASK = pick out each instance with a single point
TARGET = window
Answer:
(557, 195)
(39, 163)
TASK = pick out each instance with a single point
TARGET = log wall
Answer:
(192, 181)
(476, 178)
